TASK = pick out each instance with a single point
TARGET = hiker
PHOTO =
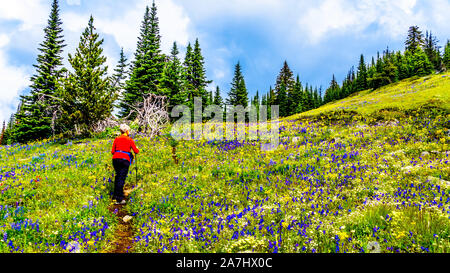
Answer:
(122, 158)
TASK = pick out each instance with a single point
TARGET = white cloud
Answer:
(13, 80)
(173, 22)
(339, 16)
(218, 8)
(29, 12)
(73, 2)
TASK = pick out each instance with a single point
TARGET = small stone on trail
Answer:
(127, 218)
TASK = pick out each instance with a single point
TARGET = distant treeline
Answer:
(72, 101)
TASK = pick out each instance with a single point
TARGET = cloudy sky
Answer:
(317, 38)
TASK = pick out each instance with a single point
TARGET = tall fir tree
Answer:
(172, 79)
(431, 49)
(285, 76)
(295, 97)
(282, 100)
(332, 93)
(120, 72)
(35, 121)
(87, 94)
(200, 82)
(286, 79)
(238, 94)
(120, 75)
(446, 57)
(414, 40)
(188, 73)
(361, 76)
(419, 63)
(218, 98)
(148, 66)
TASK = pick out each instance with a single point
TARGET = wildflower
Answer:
(373, 247)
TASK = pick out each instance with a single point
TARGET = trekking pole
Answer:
(136, 170)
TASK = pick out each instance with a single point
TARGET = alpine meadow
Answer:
(359, 166)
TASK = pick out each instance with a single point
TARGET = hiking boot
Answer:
(123, 202)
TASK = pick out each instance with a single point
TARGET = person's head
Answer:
(124, 129)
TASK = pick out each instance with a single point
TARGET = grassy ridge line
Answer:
(408, 94)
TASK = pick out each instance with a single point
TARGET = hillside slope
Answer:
(407, 94)
(372, 178)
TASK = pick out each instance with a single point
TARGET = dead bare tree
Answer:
(102, 125)
(152, 115)
(53, 110)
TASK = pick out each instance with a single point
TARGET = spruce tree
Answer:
(282, 100)
(188, 73)
(217, 98)
(431, 49)
(148, 66)
(361, 76)
(400, 63)
(316, 98)
(414, 40)
(120, 72)
(446, 57)
(332, 93)
(199, 80)
(286, 78)
(87, 93)
(35, 121)
(238, 93)
(419, 64)
(119, 76)
(172, 79)
(295, 97)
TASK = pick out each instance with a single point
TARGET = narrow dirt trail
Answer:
(123, 242)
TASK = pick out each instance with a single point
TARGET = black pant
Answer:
(121, 166)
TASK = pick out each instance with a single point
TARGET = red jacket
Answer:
(123, 143)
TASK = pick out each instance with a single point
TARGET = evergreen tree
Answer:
(446, 57)
(255, 100)
(210, 98)
(282, 101)
(87, 93)
(264, 100)
(238, 93)
(217, 98)
(431, 49)
(361, 76)
(400, 62)
(286, 79)
(188, 73)
(172, 79)
(120, 72)
(332, 93)
(414, 40)
(199, 80)
(316, 98)
(35, 121)
(295, 97)
(148, 66)
(120, 75)
(419, 64)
